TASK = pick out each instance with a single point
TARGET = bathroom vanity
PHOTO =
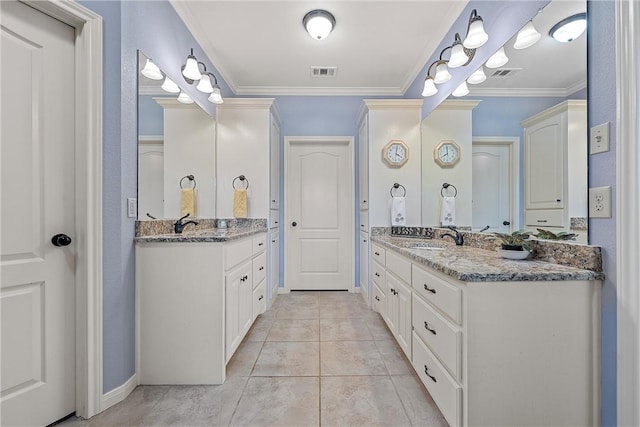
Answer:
(197, 295)
(495, 342)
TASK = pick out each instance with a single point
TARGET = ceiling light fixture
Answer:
(477, 77)
(569, 28)
(476, 36)
(498, 59)
(151, 71)
(527, 36)
(169, 86)
(319, 23)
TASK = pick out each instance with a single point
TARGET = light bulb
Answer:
(498, 59)
(458, 57)
(442, 73)
(461, 90)
(216, 96)
(184, 98)
(205, 84)
(477, 77)
(476, 36)
(429, 87)
(191, 70)
(170, 86)
(151, 71)
(527, 36)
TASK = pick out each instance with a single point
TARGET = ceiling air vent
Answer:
(502, 73)
(324, 71)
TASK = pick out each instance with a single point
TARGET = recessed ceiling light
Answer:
(569, 28)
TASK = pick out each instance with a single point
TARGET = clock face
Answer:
(395, 153)
(447, 153)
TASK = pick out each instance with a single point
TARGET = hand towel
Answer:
(240, 203)
(398, 211)
(448, 213)
(188, 202)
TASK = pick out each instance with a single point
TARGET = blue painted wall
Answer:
(151, 116)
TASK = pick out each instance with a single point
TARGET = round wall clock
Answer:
(447, 153)
(395, 153)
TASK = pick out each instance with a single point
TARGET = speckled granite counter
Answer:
(470, 264)
(205, 235)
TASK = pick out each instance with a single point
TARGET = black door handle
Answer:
(506, 223)
(294, 223)
(61, 240)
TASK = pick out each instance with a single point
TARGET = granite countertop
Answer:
(205, 235)
(470, 264)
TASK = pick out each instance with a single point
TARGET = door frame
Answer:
(88, 209)
(329, 140)
(515, 180)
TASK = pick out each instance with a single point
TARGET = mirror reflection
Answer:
(522, 135)
(176, 149)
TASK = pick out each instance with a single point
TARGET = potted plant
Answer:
(549, 235)
(514, 245)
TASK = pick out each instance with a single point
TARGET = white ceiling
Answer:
(261, 48)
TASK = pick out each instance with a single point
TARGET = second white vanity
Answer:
(197, 295)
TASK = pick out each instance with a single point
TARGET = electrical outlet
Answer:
(599, 138)
(132, 207)
(600, 202)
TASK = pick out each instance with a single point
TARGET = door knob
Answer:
(61, 240)
(506, 223)
(294, 223)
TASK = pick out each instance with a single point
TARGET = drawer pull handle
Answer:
(364, 240)
(542, 220)
(361, 225)
(426, 326)
(261, 296)
(426, 288)
(261, 268)
(426, 372)
(377, 299)
(244, 278)
(376, 274)
(261, 243)
(273, 241)
(377, 253)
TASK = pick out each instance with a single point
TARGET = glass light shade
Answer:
(476, 36)
(458, 57)
(461, 90)
(216, 96)
(205, 84)
(498, 59)
(191, 69)
(527, 36)
(477, 77)
(442, 74)
(184, 98)
(319, 23)
(429, 87)
(151, 71)
(570, 28)
(170, 86)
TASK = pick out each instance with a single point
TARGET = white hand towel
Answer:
(448, 212)
(398, 211)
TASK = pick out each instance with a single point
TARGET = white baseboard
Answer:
(283, 291)
(356, 290)
(118, 394)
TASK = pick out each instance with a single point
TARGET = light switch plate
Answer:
(599, 138)
(600, 202)
(132, 207)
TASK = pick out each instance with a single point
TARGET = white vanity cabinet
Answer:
(195, 301)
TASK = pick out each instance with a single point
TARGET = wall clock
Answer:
(447, 153)
(395, 153)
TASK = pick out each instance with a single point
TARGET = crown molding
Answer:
(248, 103)
(458, 104)
(319, 91)
(393, 104)
(528, 92)
(173, 103)
(573, 104)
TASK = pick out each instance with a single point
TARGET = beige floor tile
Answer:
(350, 358)
(350, 329)
(295, 330)
(418, 404)
(378, 328)
(132, 410)
(394, 358)
(260, 329)
(244, 358)
(341, 311)
(360, 401)
(294, 359)
(294, 311)
(292, 401)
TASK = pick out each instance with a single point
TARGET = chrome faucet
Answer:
(178, 226)
(457, 238)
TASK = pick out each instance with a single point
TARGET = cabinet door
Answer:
(274, 263)
(239, 306)
(391, 315)
(544, 163)
(245, 306)
(363, 154)
(403, 333)
(364, 264)
(274, 167)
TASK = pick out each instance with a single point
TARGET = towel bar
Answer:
(395, 186)
(190, 178)
(447, 185)
(242, 178)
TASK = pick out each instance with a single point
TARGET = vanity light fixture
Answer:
(527, 36)
(476, 36)
(191, 73)
(319, 23)
(204, 85)
(569, 28)
(477, 77)
(458, 55)
(184, 98)
(461, 90)
(216, 96)
(151, 71)
(169, 86)
(429, 87)
(442, 73)
(191, 70)
(498, 59)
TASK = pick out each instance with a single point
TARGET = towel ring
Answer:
(447, 185)
(395, 186)
(242, 178)
(190, 178)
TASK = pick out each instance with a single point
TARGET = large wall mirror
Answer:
(523, 139)
(176, 139)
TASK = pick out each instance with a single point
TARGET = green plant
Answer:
(549, 235)
(515, 241)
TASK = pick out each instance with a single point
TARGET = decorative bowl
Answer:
(508, 254)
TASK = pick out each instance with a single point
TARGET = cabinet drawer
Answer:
(379, 302)
(259, 268)
(446, 392)
(544, 217)
(260, 299)
(399, 266)
(259, 243)
(440, 335)
(378, 274)
(273, 218)
(364, 221)
(236, 252)
(378, 254)
(444, 296)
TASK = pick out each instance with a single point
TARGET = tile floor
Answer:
(315, 358)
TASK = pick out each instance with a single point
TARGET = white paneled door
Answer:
(491, 203)
(37, 294)
(319, 214)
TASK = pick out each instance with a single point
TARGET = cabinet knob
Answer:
(261, 268)
(558, 200)
(426, 371)
(261, 244)
(61, 240)
(364, 201)
(273, 241)
(377, 299)
(426, 288)
(273, 201)
(293, 224)
(377, 253)
(261, 296)
(376, 274)
(426, 326)
(393, 291)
